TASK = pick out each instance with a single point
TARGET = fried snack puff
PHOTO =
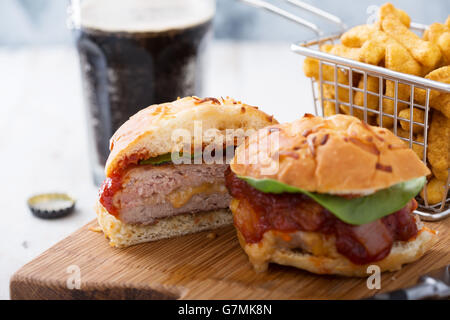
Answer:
(371, 41)
(435, 191)
(439, 34)
(328, 108)
(418, 116)
(442, 104)
(343, 96)
(417, 148)
(434, 31)
(444, 45)
(403, 133)
(373, 85)
(311, 66)
(439, 145)
(373, 51)
(438, 100)
(346, 52)
(329, 105)
(389, 9)
(397, 59)
(357, 36)
(328, 93)
(442, 75)
(343, 78)
(425, 52)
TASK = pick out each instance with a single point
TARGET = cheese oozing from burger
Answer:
(256, 212)
(342, 197)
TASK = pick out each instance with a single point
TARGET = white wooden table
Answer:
(43, 138)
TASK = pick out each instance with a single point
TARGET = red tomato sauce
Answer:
(290, 212)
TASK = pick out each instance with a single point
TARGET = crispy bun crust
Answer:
(122, 235)
(266, 251)
(149, 132)
(336, 155)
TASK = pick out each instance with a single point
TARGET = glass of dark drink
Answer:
(135, 53)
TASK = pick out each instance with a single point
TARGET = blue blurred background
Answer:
(37, 22)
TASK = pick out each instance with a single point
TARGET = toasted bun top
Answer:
(337, 155)
(149, 132)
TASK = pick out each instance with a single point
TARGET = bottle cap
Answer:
(51, 205)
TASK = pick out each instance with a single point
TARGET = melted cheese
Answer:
(316, 243)
(179, 198)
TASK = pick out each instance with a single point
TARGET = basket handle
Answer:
(285, 14)
(319, 12)
(305, 6)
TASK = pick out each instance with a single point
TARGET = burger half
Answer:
(159, 182)
(342, 197)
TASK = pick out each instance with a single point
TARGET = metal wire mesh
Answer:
(376, 95)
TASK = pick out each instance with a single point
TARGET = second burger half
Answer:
(342, 197)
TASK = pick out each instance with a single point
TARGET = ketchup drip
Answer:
(107, 191)
(113, 183)
(289, 212)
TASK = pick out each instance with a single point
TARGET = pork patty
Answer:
(152, 192)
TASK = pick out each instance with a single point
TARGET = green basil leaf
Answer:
(161, 159)
(354, 211)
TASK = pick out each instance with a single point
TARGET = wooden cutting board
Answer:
(192, 267)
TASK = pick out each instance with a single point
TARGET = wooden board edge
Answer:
(22, 287)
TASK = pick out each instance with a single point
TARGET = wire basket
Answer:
(354, 69)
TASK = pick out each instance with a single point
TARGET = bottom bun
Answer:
(123, 235)
(266, 251)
